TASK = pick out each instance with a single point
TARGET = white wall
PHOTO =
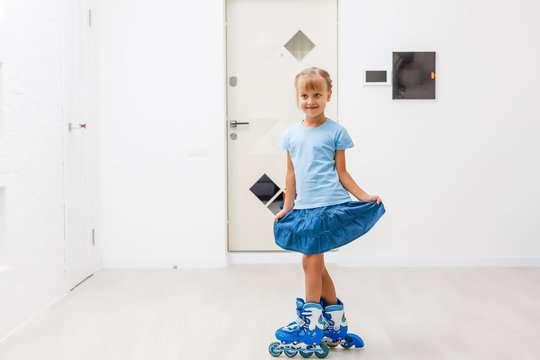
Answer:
(31, 159)
(459, 175)
(161, 120)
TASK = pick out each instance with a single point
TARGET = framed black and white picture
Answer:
(413, 75)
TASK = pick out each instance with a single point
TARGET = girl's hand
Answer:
(281, 214)
(374, 198)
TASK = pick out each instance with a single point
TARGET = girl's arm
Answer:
(290, 185)
(346, 179)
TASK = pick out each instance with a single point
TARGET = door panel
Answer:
(82, 258)
(268, 43)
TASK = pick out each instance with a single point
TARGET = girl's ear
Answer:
(329, 94)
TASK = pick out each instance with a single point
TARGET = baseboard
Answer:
(499, 261)
(332, 258)
(164, 263)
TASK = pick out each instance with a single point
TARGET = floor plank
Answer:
(232, 313)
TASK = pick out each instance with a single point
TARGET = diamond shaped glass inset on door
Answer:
(299, 45)
(264, 189)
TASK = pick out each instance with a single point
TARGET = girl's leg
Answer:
(312, 270)
(328, 291)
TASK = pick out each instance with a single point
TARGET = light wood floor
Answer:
(232, 313)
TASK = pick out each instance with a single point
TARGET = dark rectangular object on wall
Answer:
(375, 76)
(413, 75)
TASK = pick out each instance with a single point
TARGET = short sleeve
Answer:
(284, 140)
(343, 140)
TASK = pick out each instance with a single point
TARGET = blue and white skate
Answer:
(335, 333)
(303, 335)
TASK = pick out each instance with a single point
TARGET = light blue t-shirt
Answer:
(313, 154)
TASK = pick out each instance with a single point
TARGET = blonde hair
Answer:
(312, 78)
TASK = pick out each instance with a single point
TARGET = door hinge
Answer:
(90, 17)
(93, 237)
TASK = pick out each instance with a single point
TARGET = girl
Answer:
(321, 218)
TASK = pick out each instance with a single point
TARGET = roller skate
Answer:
(303, 335)
(335, 333)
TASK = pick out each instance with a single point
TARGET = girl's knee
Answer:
(310, 262)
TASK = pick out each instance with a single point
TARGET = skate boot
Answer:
(303, 335)
(335, 332)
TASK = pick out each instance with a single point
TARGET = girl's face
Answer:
(313, 102)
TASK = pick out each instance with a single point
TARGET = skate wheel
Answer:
(291, 353)
(324, 352)
(273, 349)
(349, 342)
(305, 354)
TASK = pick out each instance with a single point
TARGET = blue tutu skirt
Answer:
(318, 230)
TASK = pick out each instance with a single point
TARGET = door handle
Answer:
(234, 123)
(80, 126)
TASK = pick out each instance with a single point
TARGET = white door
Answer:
(268, 43)
(81, 253)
